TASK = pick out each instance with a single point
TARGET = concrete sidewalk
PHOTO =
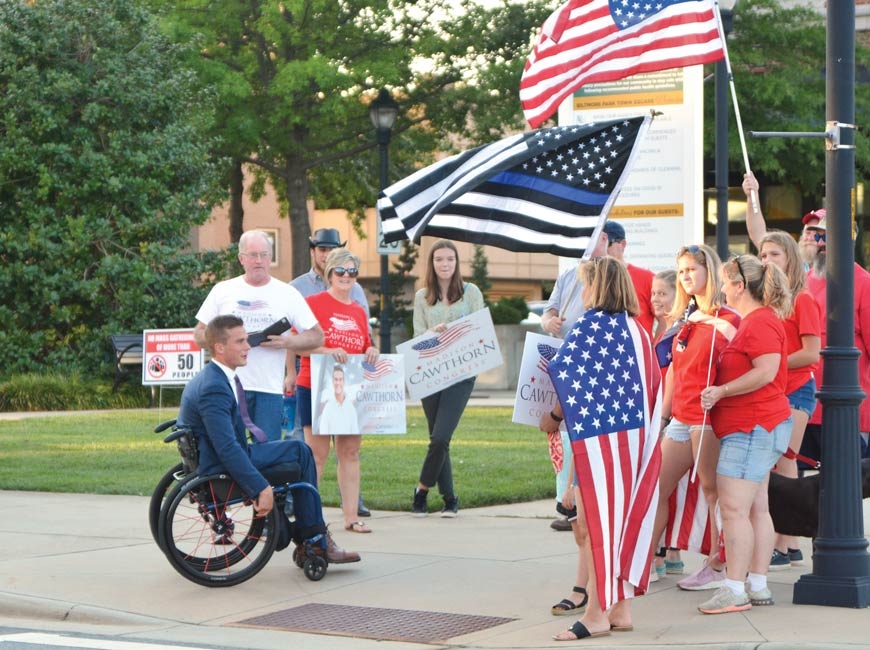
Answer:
(87, 563)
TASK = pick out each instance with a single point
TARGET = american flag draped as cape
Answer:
(609, 385)
(545, 191)
(586, 41)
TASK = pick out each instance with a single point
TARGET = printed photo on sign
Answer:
(535, 393)
(357, 397)
(465, 349)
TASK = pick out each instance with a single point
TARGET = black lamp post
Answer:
(383, 112)
(841, 565)
(726, 11)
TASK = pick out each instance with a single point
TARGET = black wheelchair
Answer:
(207, 528)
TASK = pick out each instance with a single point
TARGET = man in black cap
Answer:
(322, 242)
(640, 278)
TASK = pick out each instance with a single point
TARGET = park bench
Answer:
(128, 352)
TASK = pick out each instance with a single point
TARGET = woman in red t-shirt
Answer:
(707, 327)
(803, 341)
(345, 331)
(751, 417)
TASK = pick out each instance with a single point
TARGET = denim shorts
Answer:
(680, 431)
(751, 456)
(303, 406)
(804, 398)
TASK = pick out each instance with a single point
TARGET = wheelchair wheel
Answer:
(210, 535)
(164, 486)
(314, 568)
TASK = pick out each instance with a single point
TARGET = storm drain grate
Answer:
(375, 622)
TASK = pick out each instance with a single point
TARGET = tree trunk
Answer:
(237, 210)
(296, 186)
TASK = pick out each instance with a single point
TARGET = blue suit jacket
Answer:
(209, 408)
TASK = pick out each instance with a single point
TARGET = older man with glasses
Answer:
(261, 301)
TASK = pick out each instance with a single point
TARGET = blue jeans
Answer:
(443, 411)
(752, 455)
(266, 411)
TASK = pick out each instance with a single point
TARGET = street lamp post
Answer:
(841, 565)
(383, 112)
(721, 80)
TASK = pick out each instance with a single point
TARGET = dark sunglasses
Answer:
(736, 261)
(341, 271)
(817, 235)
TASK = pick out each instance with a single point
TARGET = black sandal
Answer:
(566, 605)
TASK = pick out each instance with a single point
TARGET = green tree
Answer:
(297, 77)
(777, 57)
(103, 172)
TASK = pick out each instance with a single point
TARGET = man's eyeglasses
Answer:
(817, 235)
(258, 256)
(341, 271)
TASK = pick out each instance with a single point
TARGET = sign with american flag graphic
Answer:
(434, 361)
(357, 397)
(535, 393)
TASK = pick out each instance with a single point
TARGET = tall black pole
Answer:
(383, 144)
(721, 107)
(841, 565)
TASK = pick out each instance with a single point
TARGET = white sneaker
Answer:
(725, 601)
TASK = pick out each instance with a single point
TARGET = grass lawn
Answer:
(494, 460)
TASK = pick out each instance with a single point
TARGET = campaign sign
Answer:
(170, 357)
(357, 397)
(535, 394)
(465, 349)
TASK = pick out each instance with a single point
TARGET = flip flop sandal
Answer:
(580, 631)
(621, 628)
(358, 527)
(566, 605)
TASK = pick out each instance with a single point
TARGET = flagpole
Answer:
(753, 196)
(704, 420)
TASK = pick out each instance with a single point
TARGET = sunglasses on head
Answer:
(341, 271)
(736, 261)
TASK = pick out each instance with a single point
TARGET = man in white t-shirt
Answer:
(260, 300)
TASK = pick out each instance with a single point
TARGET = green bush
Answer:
(509, 311)
(58, 392)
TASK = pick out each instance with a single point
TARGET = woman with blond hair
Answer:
(708, 327)
(803, 336)
(752, 419)
(614, 432)
(346, 331)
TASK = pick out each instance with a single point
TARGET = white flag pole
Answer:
(753, 195)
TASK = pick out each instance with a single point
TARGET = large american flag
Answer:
(586, 41)
(545, 191)
(608, 383)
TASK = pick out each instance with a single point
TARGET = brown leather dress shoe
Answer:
(337, 555)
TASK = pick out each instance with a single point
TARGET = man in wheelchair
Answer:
(209, 407)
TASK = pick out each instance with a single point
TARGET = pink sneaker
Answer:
(703, 579)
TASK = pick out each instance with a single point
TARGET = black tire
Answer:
(210, 535)
(164, 486)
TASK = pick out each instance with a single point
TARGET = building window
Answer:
(272, 234)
